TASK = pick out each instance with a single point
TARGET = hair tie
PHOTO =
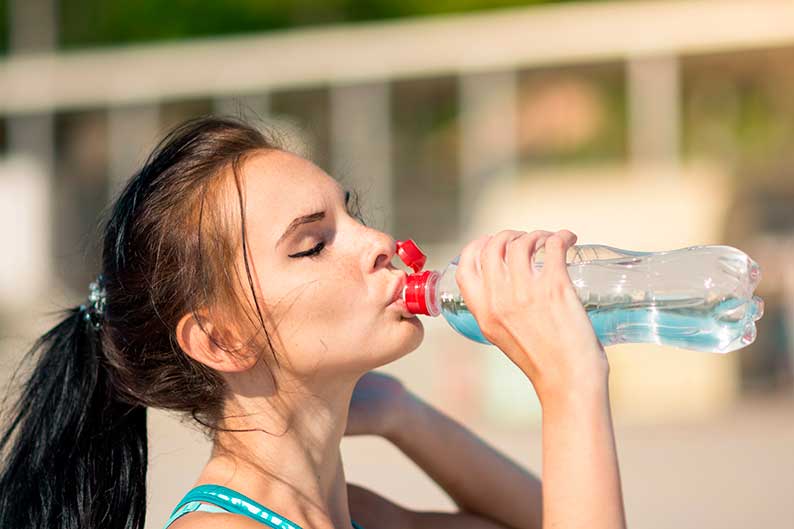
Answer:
(94, 310)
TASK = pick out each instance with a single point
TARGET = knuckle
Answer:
(463, 274)
(490, 243)
(466, 251)
(518, 247)
(502, 234)
(476, 243)
(521, 237)
(507, 235)
(487, 253)
(554, 241)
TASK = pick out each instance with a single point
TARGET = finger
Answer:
(539, 246)
(469, 270)
(519, 256)
(493, 256)
(569, 236)
(469, 259)
(555, 265)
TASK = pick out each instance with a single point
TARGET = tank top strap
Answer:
(190, 507)
(237, 503)
(234, 502)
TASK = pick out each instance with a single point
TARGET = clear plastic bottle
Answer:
(699, 297)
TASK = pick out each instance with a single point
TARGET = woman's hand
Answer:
(375, 407)
(534, 317)
(537, 319)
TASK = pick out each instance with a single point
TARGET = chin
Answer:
(408, 338)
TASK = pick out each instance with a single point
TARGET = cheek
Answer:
(323, 306)
(320, 326)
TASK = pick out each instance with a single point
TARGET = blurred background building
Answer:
(642, 125)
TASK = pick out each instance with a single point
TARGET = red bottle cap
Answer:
(411, 255)
(415, 292)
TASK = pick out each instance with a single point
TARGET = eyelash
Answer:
(314, 253)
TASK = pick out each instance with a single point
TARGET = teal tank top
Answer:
(226, 500)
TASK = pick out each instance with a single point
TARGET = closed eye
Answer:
(310, 253)
(320, 246)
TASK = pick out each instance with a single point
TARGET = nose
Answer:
(380, 251)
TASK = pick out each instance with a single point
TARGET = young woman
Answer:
(240, 288)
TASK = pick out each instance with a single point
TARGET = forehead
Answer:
(277, 174)
(280, 186)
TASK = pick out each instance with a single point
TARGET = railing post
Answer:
(361, 147)
(654, 110)
(132, 132)
(488, 134)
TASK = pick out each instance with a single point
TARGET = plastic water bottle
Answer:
(699, 297)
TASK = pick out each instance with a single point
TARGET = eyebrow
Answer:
(305, 219)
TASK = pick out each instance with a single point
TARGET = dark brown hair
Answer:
(75, 447)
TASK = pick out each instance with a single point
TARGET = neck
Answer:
(289, 458)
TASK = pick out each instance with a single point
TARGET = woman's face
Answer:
(326, 283)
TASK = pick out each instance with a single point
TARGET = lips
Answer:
(398, 288)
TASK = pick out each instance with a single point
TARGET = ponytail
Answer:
(73, 453)
(73, 448)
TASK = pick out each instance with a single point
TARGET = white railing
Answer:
(345, 54)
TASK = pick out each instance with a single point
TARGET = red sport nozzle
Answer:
(411, 255)
(420, 287)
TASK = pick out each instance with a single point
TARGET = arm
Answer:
(479, 479)
(372, 511)
(580, 466)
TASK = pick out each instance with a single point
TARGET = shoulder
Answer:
(369, 509)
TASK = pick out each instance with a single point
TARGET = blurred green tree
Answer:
(86, 23)
(4, 33)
